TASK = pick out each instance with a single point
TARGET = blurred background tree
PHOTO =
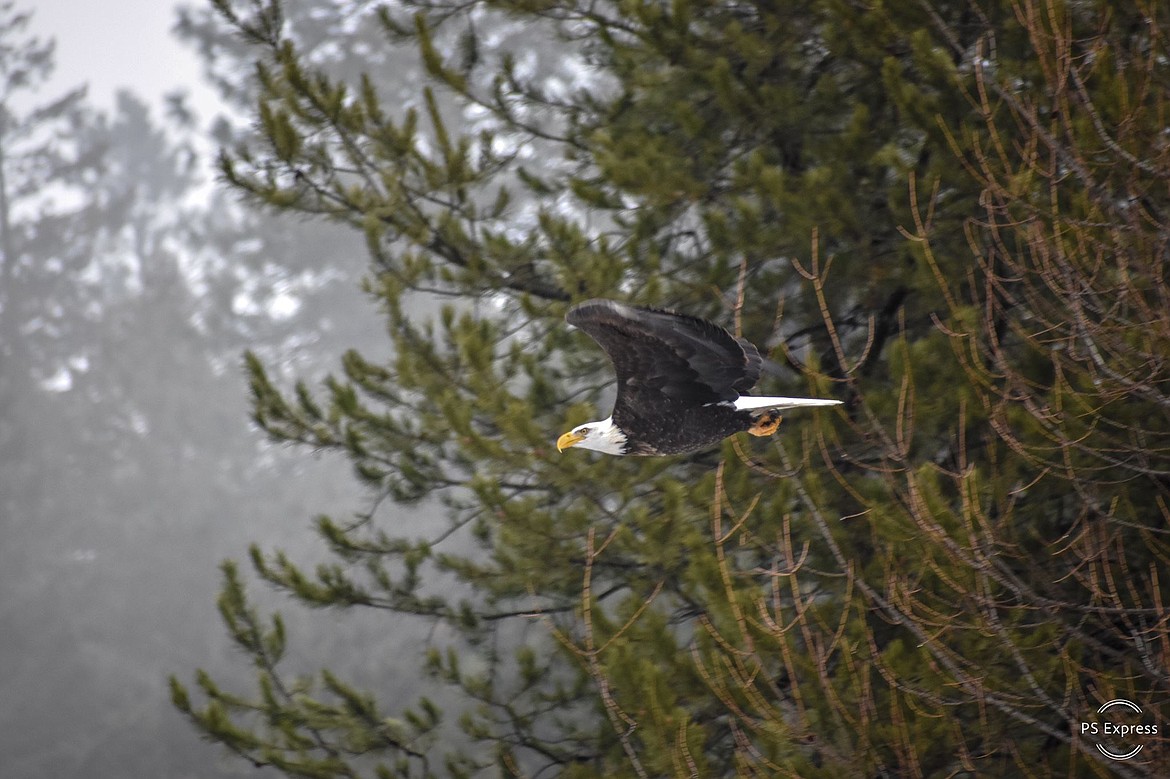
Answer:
(126, 461)
(950, 215)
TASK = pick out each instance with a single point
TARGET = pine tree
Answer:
(121, 449)
(39, 226)
(950, 215)
(56, 218)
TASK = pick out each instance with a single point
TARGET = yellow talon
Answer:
(766, 424)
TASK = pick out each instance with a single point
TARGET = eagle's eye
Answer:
(584, 431)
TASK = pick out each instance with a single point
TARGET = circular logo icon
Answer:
(1118, 729)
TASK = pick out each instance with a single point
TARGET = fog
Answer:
(130, 286)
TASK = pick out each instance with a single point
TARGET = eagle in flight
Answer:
(681, 383)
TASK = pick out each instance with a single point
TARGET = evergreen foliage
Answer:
(952, 215)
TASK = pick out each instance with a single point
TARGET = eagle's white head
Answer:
(603, 436)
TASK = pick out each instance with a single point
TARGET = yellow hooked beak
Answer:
(569, 439)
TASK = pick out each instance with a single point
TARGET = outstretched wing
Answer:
(664, 359)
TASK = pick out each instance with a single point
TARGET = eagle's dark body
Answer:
(687, 430)
(678, 376)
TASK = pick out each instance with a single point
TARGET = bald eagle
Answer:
(681, 383)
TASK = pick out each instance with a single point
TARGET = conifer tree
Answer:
(952, 215)
(40, 226)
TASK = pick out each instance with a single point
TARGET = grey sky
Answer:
(119, 43)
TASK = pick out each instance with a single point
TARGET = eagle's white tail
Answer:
(749, 402)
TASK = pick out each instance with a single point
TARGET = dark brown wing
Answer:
(664, 359)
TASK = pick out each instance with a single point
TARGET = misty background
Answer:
(130, 284)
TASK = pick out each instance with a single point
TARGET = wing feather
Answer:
(663, 358)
